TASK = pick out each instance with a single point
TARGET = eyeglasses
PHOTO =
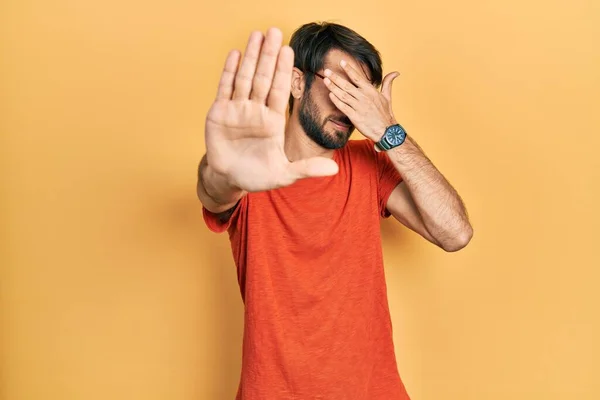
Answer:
(317, 74)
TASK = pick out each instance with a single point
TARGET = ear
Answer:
(297, 83)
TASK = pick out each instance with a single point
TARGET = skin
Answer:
(251, 148)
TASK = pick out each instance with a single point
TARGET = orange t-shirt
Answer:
(310, 269)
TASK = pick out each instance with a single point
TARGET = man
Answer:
(302, 205)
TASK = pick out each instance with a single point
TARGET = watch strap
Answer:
(383, 144)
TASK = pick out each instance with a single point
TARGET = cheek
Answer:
(323, 95)
(326, 105)
(323, 102)
(330, 102)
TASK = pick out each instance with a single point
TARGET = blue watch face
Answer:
(395, 135)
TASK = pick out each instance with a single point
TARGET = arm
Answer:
(425, 201)
(215, 192)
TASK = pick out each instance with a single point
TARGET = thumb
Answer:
(313, 167)
(386, 86)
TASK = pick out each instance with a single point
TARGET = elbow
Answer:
(459, 240)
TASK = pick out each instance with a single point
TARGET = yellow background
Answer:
(112, 288)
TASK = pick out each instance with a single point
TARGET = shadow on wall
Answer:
(229, 316)
(398, 239)
(219, 329)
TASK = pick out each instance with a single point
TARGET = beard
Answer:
(314, 125)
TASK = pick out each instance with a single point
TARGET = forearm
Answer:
(214, 191)
(441, 208)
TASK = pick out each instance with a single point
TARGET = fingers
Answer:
(282, 81)
(386, 86)
(342, 106)
(342, 83)
(313, 167)
(245, 75)
(228, 76)
(266, 65)
(355, 77)
(340, 94)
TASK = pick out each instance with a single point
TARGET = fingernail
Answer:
(327, 72)
(343, 63)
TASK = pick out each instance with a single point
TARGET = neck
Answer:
(298, 145)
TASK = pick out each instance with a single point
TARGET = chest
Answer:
(317, 215)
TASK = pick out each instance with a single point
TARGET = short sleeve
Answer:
(388, 178)
(219, 223)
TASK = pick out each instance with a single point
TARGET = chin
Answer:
(342, 136)
(339, 139)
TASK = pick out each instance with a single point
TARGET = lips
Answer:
(340, 125)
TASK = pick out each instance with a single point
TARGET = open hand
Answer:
(246, 123)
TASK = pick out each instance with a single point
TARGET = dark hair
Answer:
(311, 43)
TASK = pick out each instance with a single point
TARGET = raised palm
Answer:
(245, 125)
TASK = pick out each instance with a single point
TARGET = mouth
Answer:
(341, 126)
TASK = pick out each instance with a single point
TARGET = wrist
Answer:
(405, 148)
(218, 187)
(380, 131)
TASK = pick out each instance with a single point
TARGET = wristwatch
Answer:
(394, 136)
